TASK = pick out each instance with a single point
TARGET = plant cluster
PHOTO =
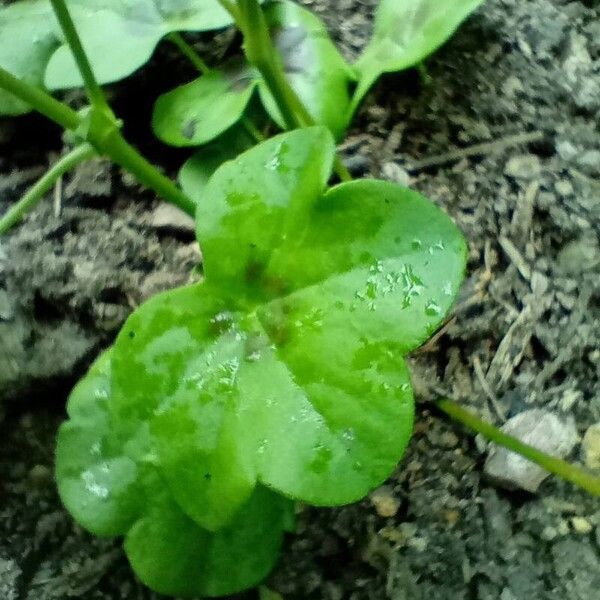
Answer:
(281, 376)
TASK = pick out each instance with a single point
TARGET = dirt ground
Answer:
(506, 137)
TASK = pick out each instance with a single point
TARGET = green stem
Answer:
(189, 52)
(261, 53)
(104, 136)
(576, 475)
(94, 91)
(126, 156)
(56, 111)
(33, 196)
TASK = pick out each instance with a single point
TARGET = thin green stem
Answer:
(189, 52)
(35, 194)
(261, 53)
(576, 475)
(125, 155)
(102, 132)
(56, 111)
(94, 91)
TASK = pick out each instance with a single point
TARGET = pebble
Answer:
(395, 173)
(591, 447)
(384, 501)
(581, 525)
(579, 256)
(540, 429)
(526, 166)
(169, 217)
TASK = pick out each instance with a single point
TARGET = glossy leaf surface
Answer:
(286, 367)
(405, 33)
(113, 484)
(313, 65)
(198, 112)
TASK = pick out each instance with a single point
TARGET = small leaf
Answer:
(29, 38)
(173, 556)
(200, 167)
(196, 113)
(405, 33)
(313, 65)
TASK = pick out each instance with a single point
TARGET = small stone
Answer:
(526, 166)
(564, 187)
(168, 217)
(395, 173)
(581, 525)
(540, 429)
(384, 501)
(591, 447)
(579, 256)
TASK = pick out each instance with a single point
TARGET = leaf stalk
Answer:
(572, 473)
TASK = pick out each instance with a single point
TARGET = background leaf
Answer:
(29, 37)
(118, 35)
(405, 33)
(196, 113)
(313, 65)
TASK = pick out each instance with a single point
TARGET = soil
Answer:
(504, 136)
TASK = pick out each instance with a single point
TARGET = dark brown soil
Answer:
(506, 138)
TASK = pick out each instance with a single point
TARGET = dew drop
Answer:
(432, 309)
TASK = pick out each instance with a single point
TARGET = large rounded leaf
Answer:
(406, 32)
(313, 66)
(286, 367)
(196, 113)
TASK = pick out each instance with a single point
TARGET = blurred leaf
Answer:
(196, 113)
(406, 32)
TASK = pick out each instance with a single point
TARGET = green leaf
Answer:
(120, 36)
(113, 485)
(29, 38)
(196, 113)
(406, 32)
(200, 167)
(313, 65)
(286, 367)
(172, 555)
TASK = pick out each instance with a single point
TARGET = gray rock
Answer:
(526, 166)
(536, 427)
(579, 256)
(591, 446)
(168, 217)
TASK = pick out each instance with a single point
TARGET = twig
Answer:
(487, 389)
(476, 150)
